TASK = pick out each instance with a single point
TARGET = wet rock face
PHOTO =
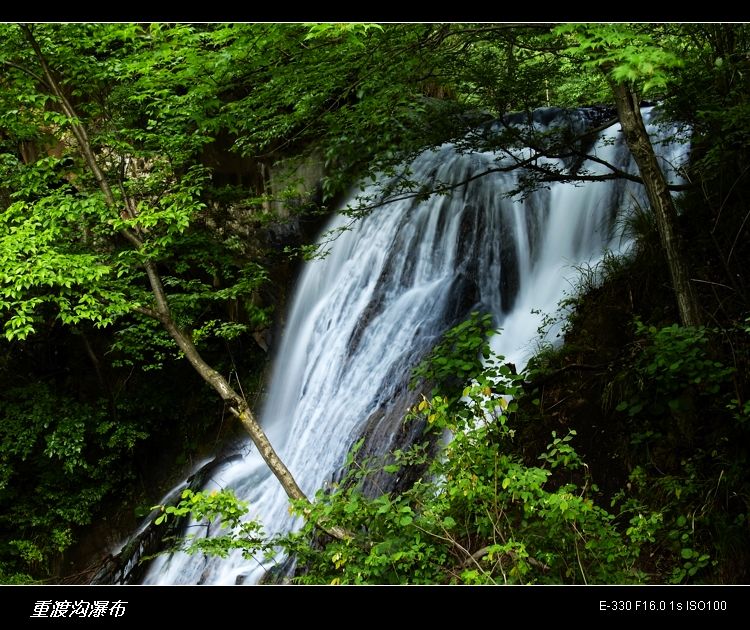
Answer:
(386, 431)
(126, 566)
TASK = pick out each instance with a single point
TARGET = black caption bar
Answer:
(123, 606)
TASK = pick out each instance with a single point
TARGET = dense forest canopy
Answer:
(143, 221)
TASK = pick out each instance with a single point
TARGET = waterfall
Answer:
(392, 283)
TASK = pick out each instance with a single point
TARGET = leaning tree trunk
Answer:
(660, 199)
(236, 403)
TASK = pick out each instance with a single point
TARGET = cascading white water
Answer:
(392, 284)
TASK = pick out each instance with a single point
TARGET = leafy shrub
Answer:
(480, 515)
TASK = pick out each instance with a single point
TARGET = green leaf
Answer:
(449, 522)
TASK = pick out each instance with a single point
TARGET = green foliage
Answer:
(487, 510)
(677, 533)
(222, 505)
(458, 355)
(480, 515)
(626, 52)
(150, 104)
(42, 261)
(226, 511)
(685, 425)
(59, 458)
(157, 99)
(150, 100)
(143, 344)
(673, 364)
(348, 30)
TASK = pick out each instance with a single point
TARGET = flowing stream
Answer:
(392, 283)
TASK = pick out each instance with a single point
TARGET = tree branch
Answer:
(79, 131)
(548, 176)
(26, 70)
(147, 312)
(237, 404)
(481, 553)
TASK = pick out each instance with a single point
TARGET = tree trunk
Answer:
(239, 407)
(237, 404)
(660, 199)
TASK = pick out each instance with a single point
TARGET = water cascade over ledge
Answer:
(362, 317)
